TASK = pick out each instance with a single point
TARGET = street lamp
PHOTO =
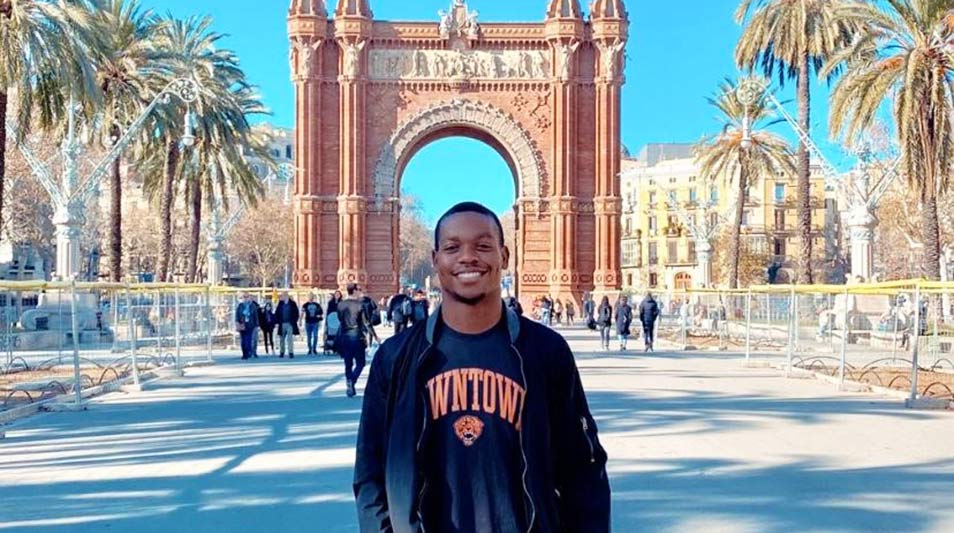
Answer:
(749, 91)
(70, 194)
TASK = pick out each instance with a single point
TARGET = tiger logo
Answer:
(468, 429)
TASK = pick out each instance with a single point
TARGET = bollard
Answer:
(178, 341)
(844, 346)
(77, 384)
(748, 326)
(916, 339)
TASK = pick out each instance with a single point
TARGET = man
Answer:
(246, 320)
(286, 320)
(399, 311)
(351, 341)
(648, 313)
(371, 317)
(476, 420)
(623, 318)
(419, 308)
(589, 306)
(314, 314)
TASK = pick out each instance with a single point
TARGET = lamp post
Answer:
(71, 194)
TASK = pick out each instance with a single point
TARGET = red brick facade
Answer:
(546, 96)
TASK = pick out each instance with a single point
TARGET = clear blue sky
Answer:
(677, 54)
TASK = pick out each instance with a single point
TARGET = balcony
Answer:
(673, 231)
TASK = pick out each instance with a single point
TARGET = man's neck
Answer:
(472, 319)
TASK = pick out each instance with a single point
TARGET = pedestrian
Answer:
(255, 330)
(570, 312)
(372, 317)
(624, 319)
(514, 305)
(648, 314)
(246, 320)
(286, 321)
(351, 341)
(604, 319)
(546, 311)
(558, 311)
(385, 315)
(516, 449)
(400, 311)
(266, 322)
(588, 307)
(419, 308)
(314, 314)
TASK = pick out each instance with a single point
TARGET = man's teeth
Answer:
(469, 275)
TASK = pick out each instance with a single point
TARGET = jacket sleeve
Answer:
(369, 489)
(581, 477)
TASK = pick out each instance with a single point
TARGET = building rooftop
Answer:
(654, 153)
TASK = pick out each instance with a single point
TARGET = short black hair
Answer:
(352, 288)
(467, 207)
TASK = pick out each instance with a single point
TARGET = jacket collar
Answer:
(513, 324)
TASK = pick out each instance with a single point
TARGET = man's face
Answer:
(284, 297)
(469, 259)
(311, 298)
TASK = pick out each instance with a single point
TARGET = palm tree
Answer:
(735, 156)
(43, 58)
(794, 38)
(904, 54)
(124, 60)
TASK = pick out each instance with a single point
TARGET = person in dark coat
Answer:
(334, 301)
(589, 307)
(286, 320)
(351, 341)
(246, 320)
(266, 322)
(514, 305)
(648, 314)
(399, 311)
(604, 319)
(420, 308)
(314, 314)
(623, 318)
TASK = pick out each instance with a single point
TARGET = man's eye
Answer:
(451, 248)
(485, 248)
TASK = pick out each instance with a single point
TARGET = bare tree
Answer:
(262, 241)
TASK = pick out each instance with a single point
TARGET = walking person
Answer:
(589, 307)
(570, 312)
(333, 302)
(246, 320)
(372, 317)
(286, 320)
(546, 311)
(266, 322)
(648, 314)
(420, 308)
(532, 463)
(624, 319)
(514, 305)
(399, 310)
(604, 319)
(558, 311)
(314, 314)
(351, 341)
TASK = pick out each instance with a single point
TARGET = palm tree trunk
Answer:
(735, 233)
(165, 211)
(116, 216)
(196, 195)
(931, 236)
(803, 159)
(3, 150)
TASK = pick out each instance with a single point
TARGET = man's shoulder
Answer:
(540, 338)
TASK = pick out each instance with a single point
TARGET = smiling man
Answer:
(476, 420)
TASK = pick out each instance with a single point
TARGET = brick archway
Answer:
(370, 93)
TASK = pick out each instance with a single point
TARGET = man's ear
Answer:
(505, 258)
(434, 260)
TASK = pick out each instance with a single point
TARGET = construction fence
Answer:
(896, 336)
(66, 341)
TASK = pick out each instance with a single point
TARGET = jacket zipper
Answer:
(420, 442)
(588, 439)
(523, 453)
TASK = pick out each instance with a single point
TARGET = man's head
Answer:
(311, 297)
(469, 253)
(352, 289)
(624, 300)
(283, 297)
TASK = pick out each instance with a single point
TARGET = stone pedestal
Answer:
(861, 225)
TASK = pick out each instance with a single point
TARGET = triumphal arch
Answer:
(546, 96)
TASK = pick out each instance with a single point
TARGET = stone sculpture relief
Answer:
(443, 64)
(306, 52)
(565, 55)
(352, 58)
(609, 54)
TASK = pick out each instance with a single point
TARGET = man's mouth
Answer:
(469, 276)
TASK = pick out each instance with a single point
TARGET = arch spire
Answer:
(314, 8)
(353, 8)
(564, 9)
(608, 9)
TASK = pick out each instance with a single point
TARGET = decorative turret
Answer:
(608, 9)
(564, 9)
(353, 8)
(307, 8)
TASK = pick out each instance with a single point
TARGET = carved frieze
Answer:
(393, 65)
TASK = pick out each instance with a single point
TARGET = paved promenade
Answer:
(696, 443)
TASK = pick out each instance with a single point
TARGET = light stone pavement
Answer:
(696, 443)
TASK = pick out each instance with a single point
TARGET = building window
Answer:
(745, 217)
(288, 151)
(779, 246)
(671, 195)
(652, 197)
(653, 279)
(713, 195)
(653, 253)
(693, 196)
(779, 192)
(630, 256)
(276, 153)
(673, 251)
(629, 280)
(692, 251)
(652, 223)
(629, 226)
(683, 281)
(713, 219)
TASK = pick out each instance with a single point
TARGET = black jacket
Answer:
(294, 316)
(648, 312)
(565, 464)
(623, 318)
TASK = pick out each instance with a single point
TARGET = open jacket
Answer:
(564, 479)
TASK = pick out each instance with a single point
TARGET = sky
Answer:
(677, 55)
